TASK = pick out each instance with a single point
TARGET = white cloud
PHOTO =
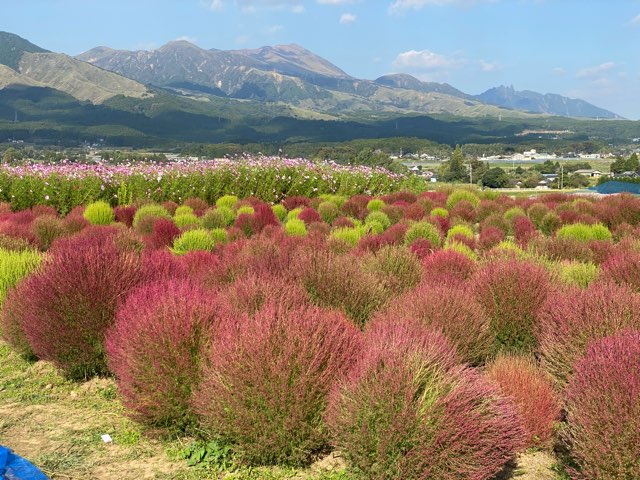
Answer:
(401, 6)
(425, 60)
(216, 5)
(489, 66)
(347, 18)
(597, 71)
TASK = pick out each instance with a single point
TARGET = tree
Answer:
(456, 170)
(11, 154)
(632, 164)
(495, 177)
(619, 165)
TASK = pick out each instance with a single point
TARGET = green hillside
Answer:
(12, 47)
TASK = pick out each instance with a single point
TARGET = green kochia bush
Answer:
(266, 385)
(584, 233)
(14, 266)
(227, 201)
(378, 217)
(424, 230)
(218, 217)
(295, 228)
(406, 411)
(193, 240)
(462, 195)
(187, 220)
(155, 349)
(99, 213)
(375, 205)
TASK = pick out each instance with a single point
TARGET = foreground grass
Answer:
(58, 424)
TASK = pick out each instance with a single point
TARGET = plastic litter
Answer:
(14, 467)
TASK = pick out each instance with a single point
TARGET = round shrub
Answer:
(584, 233)
(375, 205)
(245, 210)
(460, 230)
(124, 215)
(447, 267)
(47, 229)
(449, 309)
(197, 205)
(462, 195)
(602, 402)
(514, 212)
(187, 220)
(227, 201)
(337, 281)
(14, 266)
(623, 268)
(219, 235)
(329, 211)
(350, 236)
(296, 201)
(439, 212)
(578, 274)
(570, 320)
(532, 390)
(193, 240)
(512, 292)
(266, 386)
(462, 248)
(163, 234)
(70, 302)
(295, 228)
(99, 213)
(218, 217)
(490, 237)
(141, 220)
(155, 346)
(308, 215)
(536, 213)
(182, 210)
(405, 411)
(424, 230)
(396, 268)
(280, 211)
(378, 217)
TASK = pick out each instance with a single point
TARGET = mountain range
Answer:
(233, 94)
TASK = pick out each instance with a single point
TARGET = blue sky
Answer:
(580, 48)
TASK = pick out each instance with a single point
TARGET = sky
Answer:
(578, 48)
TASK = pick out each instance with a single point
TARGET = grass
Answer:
(57, 424)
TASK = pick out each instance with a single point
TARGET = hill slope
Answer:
(12, 47)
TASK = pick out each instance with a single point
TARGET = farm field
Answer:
(342, 329)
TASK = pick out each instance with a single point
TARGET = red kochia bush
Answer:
(538, 404)
(511, 292)
(571, 319)
(447, 266)
(263, 216)
(603, 409)
(523, 230)
(266, 388)
(71, 301)
(125, 215)
(164, 231)
(406, 411)
(155, 347)
(309, 215)
(296, 201)
(450, 310)
(490, 237)
(623, 268)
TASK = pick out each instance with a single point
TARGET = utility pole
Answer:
(470, 173)
(561, 176)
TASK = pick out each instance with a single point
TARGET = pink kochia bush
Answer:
(511, 293)
(407, 411)
(155, 348)
(447, 266)
(602, 402)
(451, 310)
(532, 390)
(266, 386)
(623, 268)
(571, 319)
(71, 301)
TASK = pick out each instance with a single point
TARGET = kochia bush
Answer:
(584, 233)
(266, 386)
(512, 293)
(193, 240)
(532, 390)
(405, 411)
(571, 319)
(155, 348)
(99, 213)
(68, 305)
(449, 309)
(602, 402)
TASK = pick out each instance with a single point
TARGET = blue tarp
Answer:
(14, 467)
(617, 187)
